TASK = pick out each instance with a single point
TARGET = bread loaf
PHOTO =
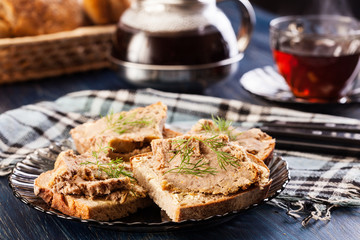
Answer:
(105, 11)
(35, 17)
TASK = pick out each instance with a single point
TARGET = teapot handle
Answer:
(247, 23)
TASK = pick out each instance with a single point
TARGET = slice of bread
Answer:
(86, 208)
(78, 186)
(184, 196)
(169, 133)
(253, 140)
(127, 133)
(257, 143)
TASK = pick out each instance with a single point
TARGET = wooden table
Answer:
(18, 221)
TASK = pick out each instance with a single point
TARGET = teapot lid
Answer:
(147, 16)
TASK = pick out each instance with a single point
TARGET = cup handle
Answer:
(245, 30)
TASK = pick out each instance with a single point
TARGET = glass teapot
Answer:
(187, 42)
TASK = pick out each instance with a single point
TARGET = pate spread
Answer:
(124, 131)
(214, 165)
(253, 140)
(81, 175)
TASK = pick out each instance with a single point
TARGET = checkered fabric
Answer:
(318, 182)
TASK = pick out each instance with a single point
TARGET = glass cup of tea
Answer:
(318, 55)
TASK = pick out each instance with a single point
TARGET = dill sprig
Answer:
(114, 168)
(124, 122)
(224, 158)
(201, 167)
(222, 126)
(185, 151)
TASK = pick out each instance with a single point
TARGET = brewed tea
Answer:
(189, 47)
(313, 72)
(320, 77)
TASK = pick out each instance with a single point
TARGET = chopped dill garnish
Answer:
(124, 122)
(185, 151)
(201, 167)
(222, 126)
(224, 158)
(114, 168)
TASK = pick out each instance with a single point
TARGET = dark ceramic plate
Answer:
(151, 219)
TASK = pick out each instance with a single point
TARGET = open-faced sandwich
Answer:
(207, 171)
(253, 140)
(127, 133)
(91, 186)
(198, 176)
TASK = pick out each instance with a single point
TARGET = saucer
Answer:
(267, 83)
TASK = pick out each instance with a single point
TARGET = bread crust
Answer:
(235, 202)
(169, 133)
(5, 30)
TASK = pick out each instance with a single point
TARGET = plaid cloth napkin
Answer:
(318, 182)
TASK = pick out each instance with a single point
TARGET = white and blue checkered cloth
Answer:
(318, 182)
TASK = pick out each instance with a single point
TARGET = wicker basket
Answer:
(82, 49)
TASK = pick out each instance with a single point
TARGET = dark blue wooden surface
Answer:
(18, 221)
